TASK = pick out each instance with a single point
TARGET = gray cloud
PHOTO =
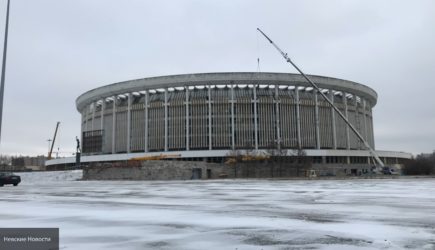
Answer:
(60, 49)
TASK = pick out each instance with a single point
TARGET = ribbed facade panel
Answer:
(288, 125)
(137, 127)
(266, 123)
(244, 127)
(308, 120)
(221, 119)
(107, 132)
(353, 120)
(371, 137)
(156, 123)
(341, 129)
(176, 121)
(325, 126)
(340, 125)
(96, 123)
(83, 122)
(202, 117)
(121, 130)
(198, 119)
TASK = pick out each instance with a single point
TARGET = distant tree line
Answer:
(22, 161)
(423, 164)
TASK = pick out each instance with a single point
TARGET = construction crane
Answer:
(52, 142)
(366, 144)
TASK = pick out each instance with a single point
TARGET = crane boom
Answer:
(52, 143)
(366, 144)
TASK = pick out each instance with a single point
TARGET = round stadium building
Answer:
(211, 117)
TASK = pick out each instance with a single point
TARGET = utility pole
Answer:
(5, 47)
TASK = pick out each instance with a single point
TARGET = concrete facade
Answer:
(224, 111)
(210, 116)
(188, 170)
(154, 170)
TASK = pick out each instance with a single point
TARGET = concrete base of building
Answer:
(191, 170)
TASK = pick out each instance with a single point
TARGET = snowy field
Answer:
(225, 214)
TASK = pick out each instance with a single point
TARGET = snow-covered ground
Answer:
(225, 214)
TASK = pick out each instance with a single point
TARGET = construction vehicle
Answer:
(379, 162)
(52, 142)
(154, 157)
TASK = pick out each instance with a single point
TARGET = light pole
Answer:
(2, 86)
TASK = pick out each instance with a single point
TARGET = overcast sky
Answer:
(59, 49)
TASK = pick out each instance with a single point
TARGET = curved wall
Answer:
(223, 111)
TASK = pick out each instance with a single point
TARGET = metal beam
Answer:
(233, 141)
(346, 113)
(146, 121)
(255, 101)
(209, 119)
(166, 119)
(114, 125)
(94, 107)
(316, 113)
(334, 123)
(129, 101)
(103, 107)
(187, 119)
(298, 118)
(277, 115)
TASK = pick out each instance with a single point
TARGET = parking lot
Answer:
(225, 214)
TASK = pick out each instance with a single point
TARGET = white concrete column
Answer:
(298, 117)
(166, 119)
(187, 119)
(114, 125)
(357, 121)
(129, 101)
(277, 115)
(146, 106)
(316, 111)
(103, 108)
(347, 116)
(255, 118)
(209, 119)
(94, 107)
(233, 142)
(364, 103)
(334, 125)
